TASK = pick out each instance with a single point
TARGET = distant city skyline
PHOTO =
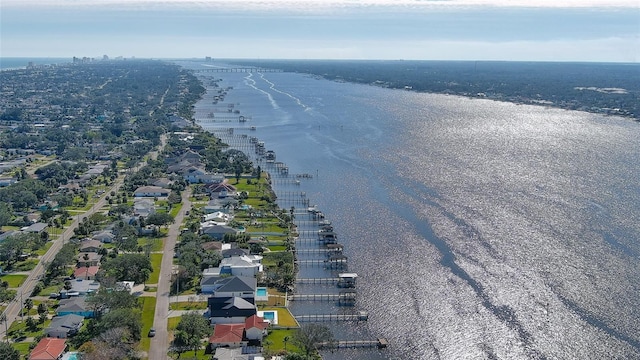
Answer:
(563, 30)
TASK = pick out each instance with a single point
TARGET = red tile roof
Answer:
(227, 333)
(48, 349)
(255, 321)
(86, 271)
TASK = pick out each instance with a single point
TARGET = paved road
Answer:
(13, 308)
(24, 291)
(160, 343)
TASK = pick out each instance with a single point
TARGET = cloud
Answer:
(320, 5)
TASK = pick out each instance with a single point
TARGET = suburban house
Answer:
(217, 204)
(231, 252)
(221, 190)
(244, 353)
(255, 328)
(64, 326)
(143, 207)
(162, 182)
(246, 265)
(83, 286)
(90, 245)
(214, 246)
(6, 181)
(240, 286)
(230, 310)
(48, 349)
(85, 259)
(151, 191)
(86, 273)
(217, 218)
(105, 236)
(228, 335)
(218, 231)
(35, 228)
(75, 305)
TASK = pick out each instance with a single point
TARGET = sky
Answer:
(515, 30)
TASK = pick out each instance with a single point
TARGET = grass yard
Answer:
(156, 261)
(155, 243)
(22, 347)
(14, 280)
(148, 313)
(175, 209)
(44, 250)
(27, 265)
(172, 323)
(187, 305)
(276, 337)
(285, 319)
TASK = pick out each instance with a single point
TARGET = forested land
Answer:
(608, 88)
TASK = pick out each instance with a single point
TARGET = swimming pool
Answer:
(70, 356)
(269, 315)
(262, 294)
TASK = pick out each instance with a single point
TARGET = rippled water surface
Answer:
(479, 229)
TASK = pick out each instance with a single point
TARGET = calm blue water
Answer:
(478, 229)
(261, 291)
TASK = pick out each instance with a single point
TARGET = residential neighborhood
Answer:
(146, 238)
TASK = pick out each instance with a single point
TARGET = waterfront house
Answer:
(217, 218)
(65, 326)
(246, 265)
(240, 286)
(217, 231)
(230, 310)
(48, 349)
(221, 190)
(227, 335)
(255, 328)
(151, 191)
(222, 205)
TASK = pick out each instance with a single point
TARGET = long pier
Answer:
(239, 70)
(360, 316)
(344, 298)
(380, 343)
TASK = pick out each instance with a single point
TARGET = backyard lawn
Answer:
(156, 260)
(148, 313)
(14, 280)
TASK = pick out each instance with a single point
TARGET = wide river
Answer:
(479, 229)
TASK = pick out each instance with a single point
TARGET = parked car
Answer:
(152, 332)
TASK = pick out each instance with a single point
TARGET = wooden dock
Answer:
(380, 343)
(343, 298)
(360, 316)
(317, 280)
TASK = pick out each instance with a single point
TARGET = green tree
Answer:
(129, 267)
(7, 352)
(190, 331)
(160, 219)
(310, 335)
(6, 213)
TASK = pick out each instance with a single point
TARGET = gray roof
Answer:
(72, 304)
(37, 227)
(70, 321)
(236, 284)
